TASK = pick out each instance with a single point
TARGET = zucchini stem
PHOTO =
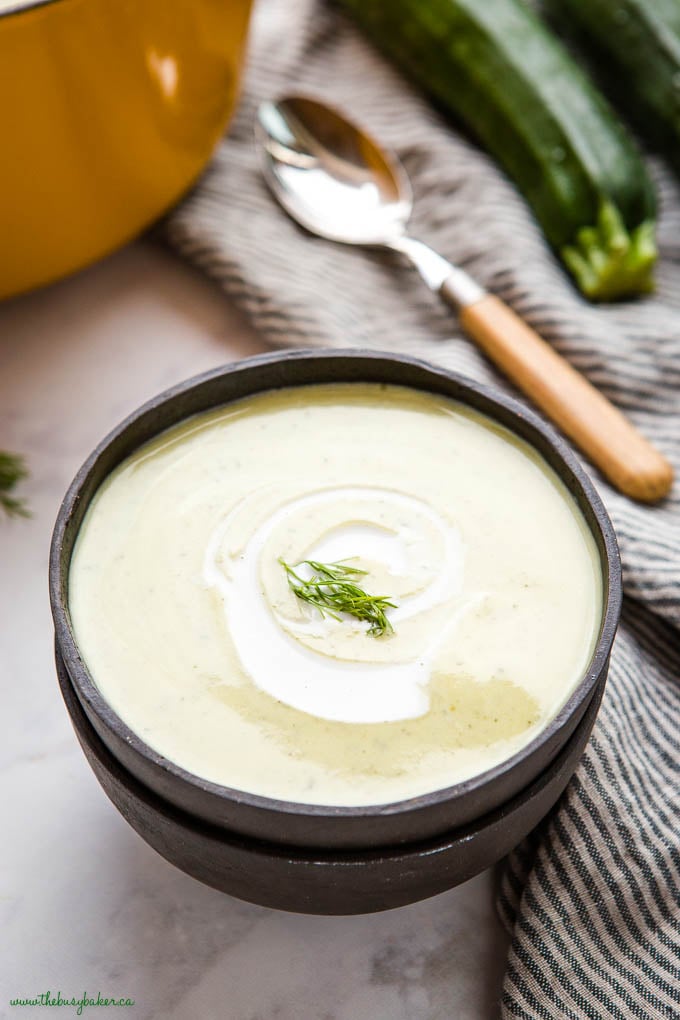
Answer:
(608, 261)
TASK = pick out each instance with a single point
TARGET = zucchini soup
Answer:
(343, 594)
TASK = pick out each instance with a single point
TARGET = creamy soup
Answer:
(192, 632)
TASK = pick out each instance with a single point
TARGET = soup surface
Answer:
(189, 626)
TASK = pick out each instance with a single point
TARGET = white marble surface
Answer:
(85, 905)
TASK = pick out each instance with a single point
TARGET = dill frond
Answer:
(332, 589)
(12, 471)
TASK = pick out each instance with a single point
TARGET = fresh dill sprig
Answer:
(12, 471)
(332, 589)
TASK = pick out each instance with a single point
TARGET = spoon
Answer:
(337, 182)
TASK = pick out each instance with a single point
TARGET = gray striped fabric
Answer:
(592, 899)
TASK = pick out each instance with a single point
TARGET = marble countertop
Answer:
(85, 904)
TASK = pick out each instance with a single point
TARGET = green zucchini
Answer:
(497, 67)
(636, 44)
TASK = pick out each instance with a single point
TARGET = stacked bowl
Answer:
(311, 857)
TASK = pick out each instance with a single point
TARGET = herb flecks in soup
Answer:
(483, 569)
(463, 713)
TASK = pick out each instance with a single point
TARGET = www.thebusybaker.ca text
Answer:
(48, 999)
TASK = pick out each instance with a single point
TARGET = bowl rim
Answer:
(570, 472)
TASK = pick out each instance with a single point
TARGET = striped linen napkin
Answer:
(592, 898)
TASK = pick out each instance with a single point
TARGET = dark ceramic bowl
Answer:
(312, 881)
(307, 825)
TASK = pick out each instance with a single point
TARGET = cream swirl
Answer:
(272, 643)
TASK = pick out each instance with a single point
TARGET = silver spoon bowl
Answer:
(335, 180)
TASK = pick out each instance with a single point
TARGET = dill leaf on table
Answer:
(12, 471)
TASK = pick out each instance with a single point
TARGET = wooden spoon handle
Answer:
(623, 455)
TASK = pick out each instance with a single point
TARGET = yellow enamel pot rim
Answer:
(22, 5)
(116, 109)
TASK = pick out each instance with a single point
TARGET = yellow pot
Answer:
(109, 110)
